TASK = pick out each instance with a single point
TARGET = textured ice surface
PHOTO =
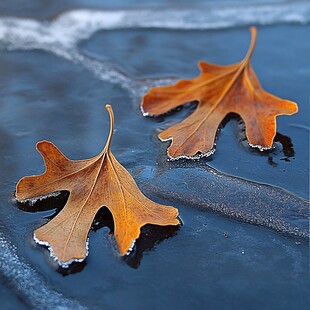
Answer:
(27, 283)
(250, 202)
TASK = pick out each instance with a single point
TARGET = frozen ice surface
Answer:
(55, 75)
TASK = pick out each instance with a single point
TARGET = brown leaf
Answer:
(92, 183)
(219, 90)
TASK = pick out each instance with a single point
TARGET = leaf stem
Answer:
(111, 114)
(253, 32)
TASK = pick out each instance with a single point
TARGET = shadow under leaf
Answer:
(72, 269)
(54, 202)
(150, 236)
(287, 145)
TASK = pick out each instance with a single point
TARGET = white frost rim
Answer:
(261, 148)
(132, 245)
(66, 264)
(33, 200)
(197, 156)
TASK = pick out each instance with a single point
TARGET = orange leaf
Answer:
(219, 90)
(92, 183)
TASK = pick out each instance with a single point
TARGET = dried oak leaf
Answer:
(219, 90)
(92, 183)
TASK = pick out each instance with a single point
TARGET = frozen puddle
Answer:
(204, 189)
